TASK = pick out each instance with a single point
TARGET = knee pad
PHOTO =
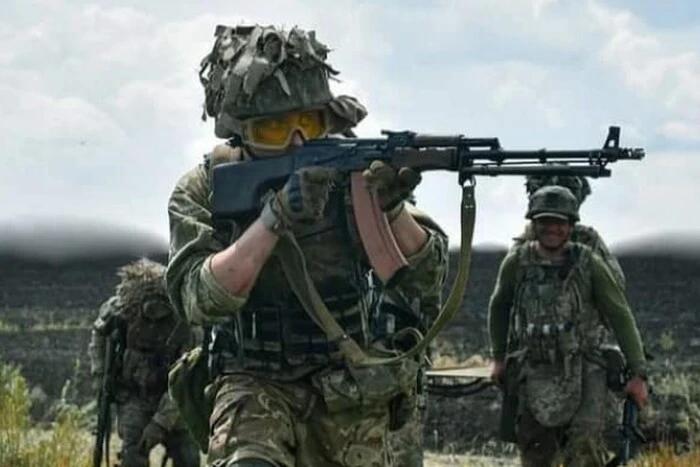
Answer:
(251, 463)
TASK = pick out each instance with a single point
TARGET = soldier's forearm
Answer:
(610, 300)
(497, 323)
(409, 235)
(237, 267)
(500, 304)
(96, 352)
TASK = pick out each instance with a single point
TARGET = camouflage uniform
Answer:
(586, 235)
(152, 337)
(273, 367)
(394, 313)
(552, 318)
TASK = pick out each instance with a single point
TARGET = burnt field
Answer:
(47, 305)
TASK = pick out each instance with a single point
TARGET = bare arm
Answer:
(237, 267)
(409, 234)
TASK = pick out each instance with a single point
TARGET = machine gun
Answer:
(238, 188)
(105, 399)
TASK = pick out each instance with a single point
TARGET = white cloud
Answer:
(535, 73)
(655, 64)
(30, 115)
(682, 130)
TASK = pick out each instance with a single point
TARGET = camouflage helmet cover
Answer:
(553, 201)
(258, 70)
(141, 280)
(579, 186)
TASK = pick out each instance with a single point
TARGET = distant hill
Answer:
(65, 239)
(684, 244)
(61, 272)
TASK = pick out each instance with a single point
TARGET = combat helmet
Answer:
(255, 71)
(579, 186)
(553, 201)
(142, 282)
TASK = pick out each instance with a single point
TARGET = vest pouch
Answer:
(614, 363)
(188, 382)
(361, 387)
(551, 394)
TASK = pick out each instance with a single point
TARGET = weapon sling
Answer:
(294, 265)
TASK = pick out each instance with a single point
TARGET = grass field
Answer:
(66, 442)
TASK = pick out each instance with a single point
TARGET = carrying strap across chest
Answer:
(294, 265)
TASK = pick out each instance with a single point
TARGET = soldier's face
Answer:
(552, 232)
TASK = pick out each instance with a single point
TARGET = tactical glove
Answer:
(301, 200)
(391, 186)
(153, 434)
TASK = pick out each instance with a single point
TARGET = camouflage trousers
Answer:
(406, 443)
(287, 424)
(132, 417)
(579, 443)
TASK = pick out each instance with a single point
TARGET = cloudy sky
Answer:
(101, 103)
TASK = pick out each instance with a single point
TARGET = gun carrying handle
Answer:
(378, 241)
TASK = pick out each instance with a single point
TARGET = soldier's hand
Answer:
(638, 390)
(153, 434)
(303, 198)
(391, 186)
(498, 371)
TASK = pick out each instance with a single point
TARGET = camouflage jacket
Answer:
(180, 338)
(333, 259)
(602, 292)
(588, 236)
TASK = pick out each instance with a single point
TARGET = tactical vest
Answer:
(553, 314)
(555, 327)
(588, 236)
(273, 332)
(153, 339)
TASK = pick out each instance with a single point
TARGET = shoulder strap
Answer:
(294, 265)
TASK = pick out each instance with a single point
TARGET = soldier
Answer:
(152, 337)
(553, 304)
(281, 392)
(580, 188)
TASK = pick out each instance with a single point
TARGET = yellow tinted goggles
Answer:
(276, 132)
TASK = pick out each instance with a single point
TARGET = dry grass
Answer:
(22, 445)
(67, 442)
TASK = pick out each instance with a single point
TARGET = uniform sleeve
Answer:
(101, 328)
(590, 236)
(194, 292)
(500, 304)
(421, 285)
(610, 300)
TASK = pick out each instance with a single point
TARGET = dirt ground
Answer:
(430, 460)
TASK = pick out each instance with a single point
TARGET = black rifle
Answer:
(238, 188)
(631, 434)
(105, 399)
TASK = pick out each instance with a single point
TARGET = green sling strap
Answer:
(294, 265)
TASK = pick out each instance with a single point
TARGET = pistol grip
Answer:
(378, 241)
